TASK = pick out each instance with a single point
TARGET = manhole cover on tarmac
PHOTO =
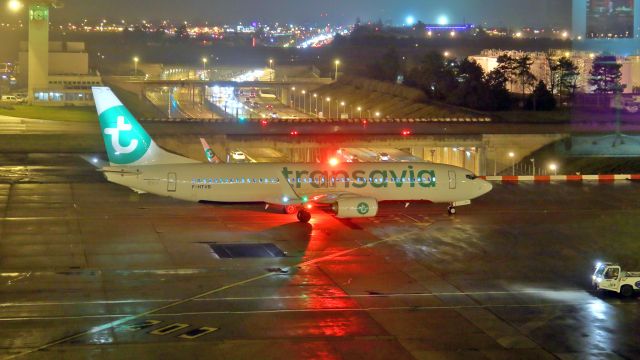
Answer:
(229, 251)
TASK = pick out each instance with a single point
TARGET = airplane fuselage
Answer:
(270, 182)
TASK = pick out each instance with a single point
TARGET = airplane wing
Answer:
(322, 197)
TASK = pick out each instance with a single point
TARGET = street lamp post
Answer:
(135, 65)
(359, 112)
(315, 104)
(343, 109)
(337, 62)
(271, 68)
(554, 167)
(329, 100)
(204, 68)
(533, 164)
(304, 101)
(512, 156)
(293, 97)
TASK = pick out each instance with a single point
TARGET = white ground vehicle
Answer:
(11, 99)
(238, 156)
(611, 277)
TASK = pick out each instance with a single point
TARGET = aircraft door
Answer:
(172, 182)
(452, 180)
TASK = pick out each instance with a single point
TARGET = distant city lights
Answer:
(410, 20)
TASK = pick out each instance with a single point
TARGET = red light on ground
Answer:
(406, 132)
(364, 122)
(294, 133)
(263, 122)
(334, 161)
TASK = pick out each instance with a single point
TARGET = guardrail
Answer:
(325, 120)
(566, 178)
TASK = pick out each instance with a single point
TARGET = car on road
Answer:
(383, 156)
(11, 99)
(238, 155)
(611, 277)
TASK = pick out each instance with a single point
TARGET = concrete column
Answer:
(38, 47)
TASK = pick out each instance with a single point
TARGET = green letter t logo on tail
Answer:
(125, 140)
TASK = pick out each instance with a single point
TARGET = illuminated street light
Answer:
(329, 101)
(135, 65)
(315, 103)
(304, 100)
(512, 155)
(446, 54)
(337, 62)
(410, 20)
(554, 167)
(15, 5)
(342, 103)
(359, 108)
(452, 33)
(204, 67)
(377, 114)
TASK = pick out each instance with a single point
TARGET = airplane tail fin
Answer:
(126, 141)
(211, 156)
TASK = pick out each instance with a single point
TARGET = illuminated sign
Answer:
(38, 13)
(377, 178)
(610, 19)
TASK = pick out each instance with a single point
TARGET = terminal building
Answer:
(610, 26)
(69, 78)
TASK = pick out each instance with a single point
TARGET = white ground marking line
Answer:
(293, 297)
(357, 309)
(180, 302)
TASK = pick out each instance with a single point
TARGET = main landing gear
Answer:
(451, 210)
(303, 215)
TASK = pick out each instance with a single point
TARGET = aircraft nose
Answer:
(485, 187)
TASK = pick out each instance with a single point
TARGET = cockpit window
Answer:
(471, 176)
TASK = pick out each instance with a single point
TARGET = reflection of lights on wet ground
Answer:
(598, 309)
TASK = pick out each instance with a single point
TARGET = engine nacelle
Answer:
(356, 207)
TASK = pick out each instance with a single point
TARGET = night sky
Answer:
(494, 12)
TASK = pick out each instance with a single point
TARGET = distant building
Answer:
(69, 81)
(487, 59)
(437, 28)
(607, 26)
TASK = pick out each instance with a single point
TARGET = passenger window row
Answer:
(211, 181)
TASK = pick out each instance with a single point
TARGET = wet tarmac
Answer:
(90, 269)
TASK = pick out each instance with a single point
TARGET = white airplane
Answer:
(353, 190)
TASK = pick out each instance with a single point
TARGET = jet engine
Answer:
(355, 207)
